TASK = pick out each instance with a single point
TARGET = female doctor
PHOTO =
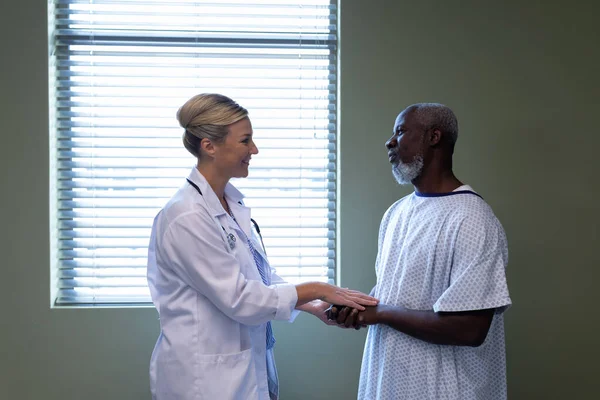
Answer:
(209, 277)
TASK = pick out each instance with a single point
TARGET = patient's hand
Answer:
(352, 318)
(344, 317)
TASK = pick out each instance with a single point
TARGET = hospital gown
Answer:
(443, 252)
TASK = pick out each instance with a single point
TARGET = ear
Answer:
(207, 147)
(435, 137)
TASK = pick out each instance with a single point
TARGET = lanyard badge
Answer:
(230, 237)
(231, 241)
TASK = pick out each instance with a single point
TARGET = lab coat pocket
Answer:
(228, 376)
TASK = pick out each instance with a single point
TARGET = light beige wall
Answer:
(523, 80)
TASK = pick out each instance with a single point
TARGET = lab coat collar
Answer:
(234, 198)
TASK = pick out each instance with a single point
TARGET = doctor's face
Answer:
(232, 156)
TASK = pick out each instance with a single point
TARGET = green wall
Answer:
(523, 80)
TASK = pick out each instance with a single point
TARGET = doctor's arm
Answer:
(195, 250)
(318, 308)
(315, 307)
(320, 305)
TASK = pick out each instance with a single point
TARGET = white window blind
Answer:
(121, 68)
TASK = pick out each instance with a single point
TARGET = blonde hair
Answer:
(208, 115)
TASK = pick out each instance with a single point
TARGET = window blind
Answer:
(119, 71)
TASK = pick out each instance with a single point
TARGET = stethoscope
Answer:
(230, 236)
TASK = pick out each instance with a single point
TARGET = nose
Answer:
(254, 149)
(391, 142)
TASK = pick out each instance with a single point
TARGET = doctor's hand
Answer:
(319, 309)
(310, 291)
(347, 297)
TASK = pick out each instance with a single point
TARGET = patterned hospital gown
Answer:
(443, 252)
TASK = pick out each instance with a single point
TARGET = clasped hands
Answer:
(348, 317)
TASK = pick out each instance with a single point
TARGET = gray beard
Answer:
(406, 173)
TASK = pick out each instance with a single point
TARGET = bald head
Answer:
(435, 116)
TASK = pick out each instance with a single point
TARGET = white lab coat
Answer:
(212, 304)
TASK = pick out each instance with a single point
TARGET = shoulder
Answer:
(399, 204)
(476, 219)
(396, 208)
(184, 208)
(475, 210)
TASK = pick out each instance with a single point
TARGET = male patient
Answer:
(438, 331)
